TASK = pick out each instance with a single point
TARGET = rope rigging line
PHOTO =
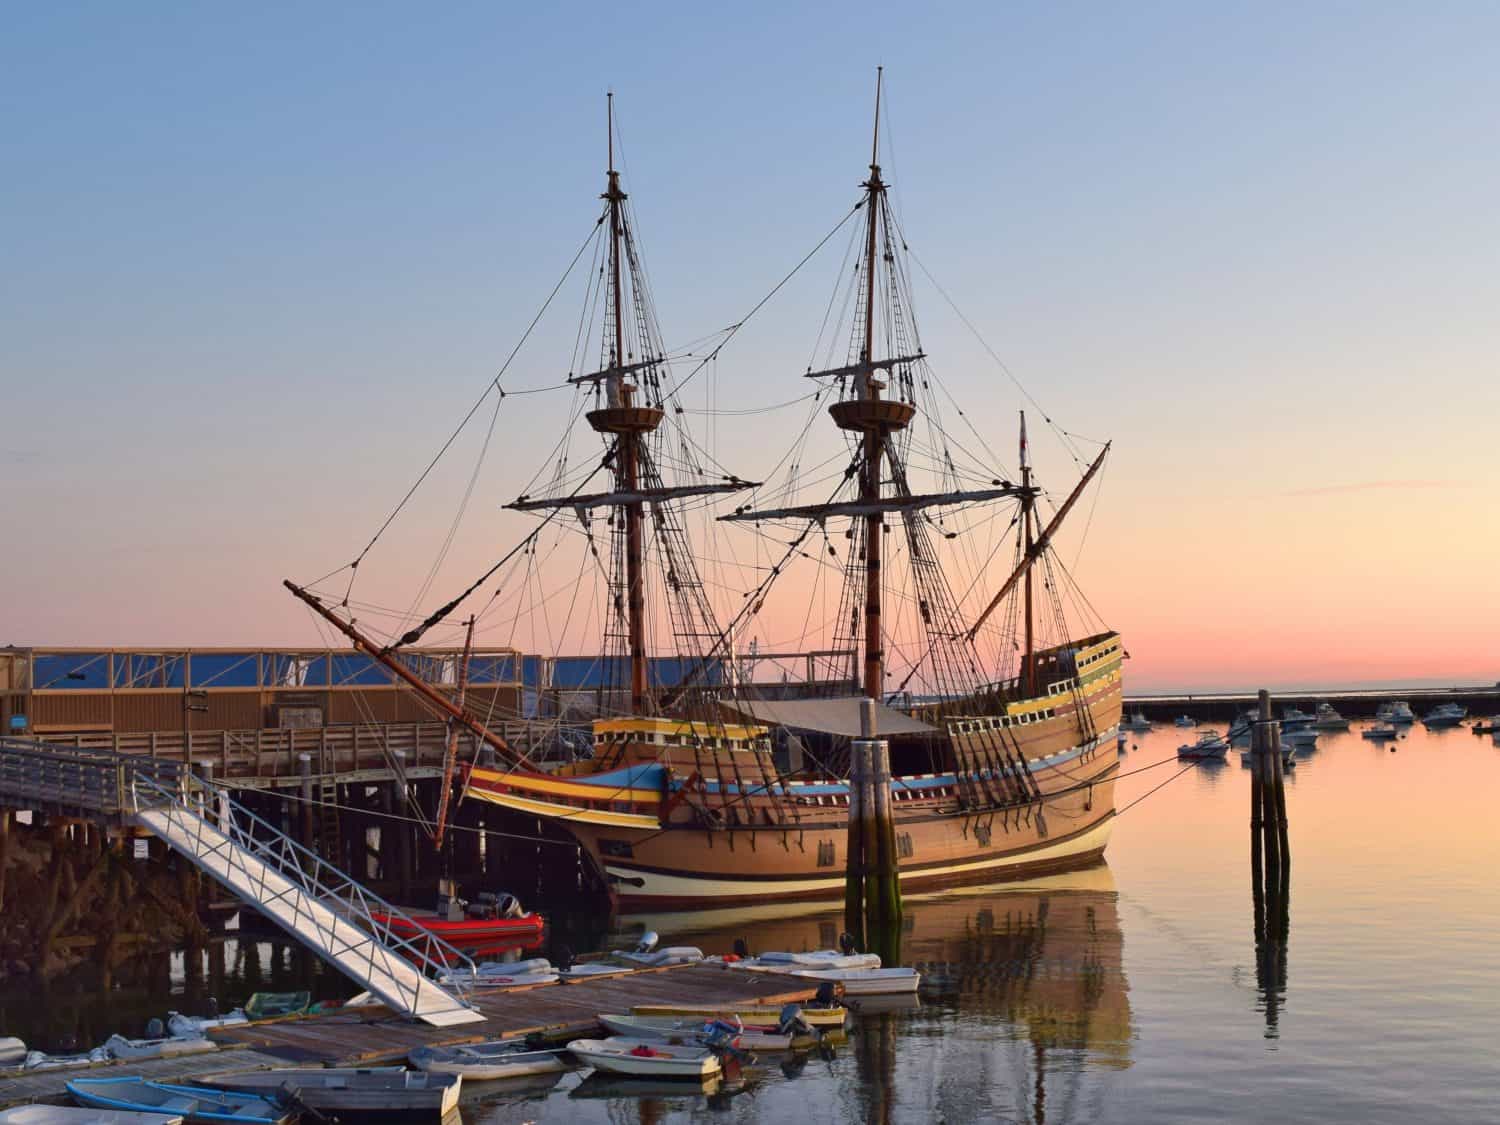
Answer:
(492, 385)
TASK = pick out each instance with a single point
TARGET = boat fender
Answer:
(648, 942)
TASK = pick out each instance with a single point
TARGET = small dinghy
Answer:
(271, 1005)
(866, 982)
(821, 1017)
(196, 1103)
(747, 1037)
(646, 1058)
(503, 974)
(647, 955)
(82, 1115)
(487, 1062)
(40, 1060)
(166, 1048)
(180, 1026)
(363, 1091)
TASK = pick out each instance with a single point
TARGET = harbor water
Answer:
(1126, 993)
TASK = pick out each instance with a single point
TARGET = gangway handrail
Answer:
(307, 872)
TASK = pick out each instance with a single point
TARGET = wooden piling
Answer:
(854, 855)
(872, 892)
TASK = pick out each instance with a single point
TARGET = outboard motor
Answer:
(213, 1007)
(827, 995)
(741, 948)
(564, 956)
(155, 1029)
(846, 943)
(648, 942)
(508, 905)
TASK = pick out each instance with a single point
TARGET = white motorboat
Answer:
(748, 1037)
(352, 1090)
(1138, 721)
(1187, 722)
(1288, 756)
(1327, 718)
(180, 1026)
(646, 1058)
(1397, 712)
(82, 1115)
(1380, 733)
(1303, 738)
(170, 1047)
(1209, 747)
(487, 1062)
(1444, 715)
(833, 1016)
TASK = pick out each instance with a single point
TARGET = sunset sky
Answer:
(259, 261)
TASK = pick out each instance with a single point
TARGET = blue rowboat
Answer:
(196, 1103)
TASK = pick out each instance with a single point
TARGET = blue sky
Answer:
(259, 259)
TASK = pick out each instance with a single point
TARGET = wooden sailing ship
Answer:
(1001, 772)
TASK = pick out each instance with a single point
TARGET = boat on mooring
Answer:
(1397, 712)
(1327, 718)
(787, 1036)
(1380, 733)
(1209, 747)
(1444, 715)
(1000, 734)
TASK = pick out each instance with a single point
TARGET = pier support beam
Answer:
(872, 880)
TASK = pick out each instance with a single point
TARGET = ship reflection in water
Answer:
(1024, 1002)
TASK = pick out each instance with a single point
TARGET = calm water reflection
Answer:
(1134, 992)
(1131, 993)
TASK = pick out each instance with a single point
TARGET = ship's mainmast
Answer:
(628, 422)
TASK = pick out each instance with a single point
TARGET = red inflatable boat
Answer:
(466, 931)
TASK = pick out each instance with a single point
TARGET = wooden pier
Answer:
(373, 1035)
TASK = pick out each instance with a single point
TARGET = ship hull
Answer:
(687, 867)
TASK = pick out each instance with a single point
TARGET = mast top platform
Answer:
(625, 419)
(865, 415)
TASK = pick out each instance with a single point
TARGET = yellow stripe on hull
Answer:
(565, 813)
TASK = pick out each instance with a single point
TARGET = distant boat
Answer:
(1329, 719)
(1210, 746)
(196, 1103)
(1293, 718)
(503, 974)
(815, 959)
(192, 1027)
(645, 1058)
(1302, 738)
(85, 1115)
(487, 1062)
(1138, 721)
(1380, 733)
(1288, 756)
(866, 982)
(1444, 715)
(1186, 721)
(1242, 730)
(351, 1090)
(1397, 712)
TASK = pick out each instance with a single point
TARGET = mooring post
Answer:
(854, 855)
(304, 769)
(403, 826)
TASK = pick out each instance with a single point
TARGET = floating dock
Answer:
(374, 1035)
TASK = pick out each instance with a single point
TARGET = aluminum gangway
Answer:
(317, 904)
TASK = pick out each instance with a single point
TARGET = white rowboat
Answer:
(379, 1089)
(646, 1058)
(75, 1115)
(486, 1062)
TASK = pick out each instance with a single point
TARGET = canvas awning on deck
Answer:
(829, 716)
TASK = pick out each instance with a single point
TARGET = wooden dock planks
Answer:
(364, 1036)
